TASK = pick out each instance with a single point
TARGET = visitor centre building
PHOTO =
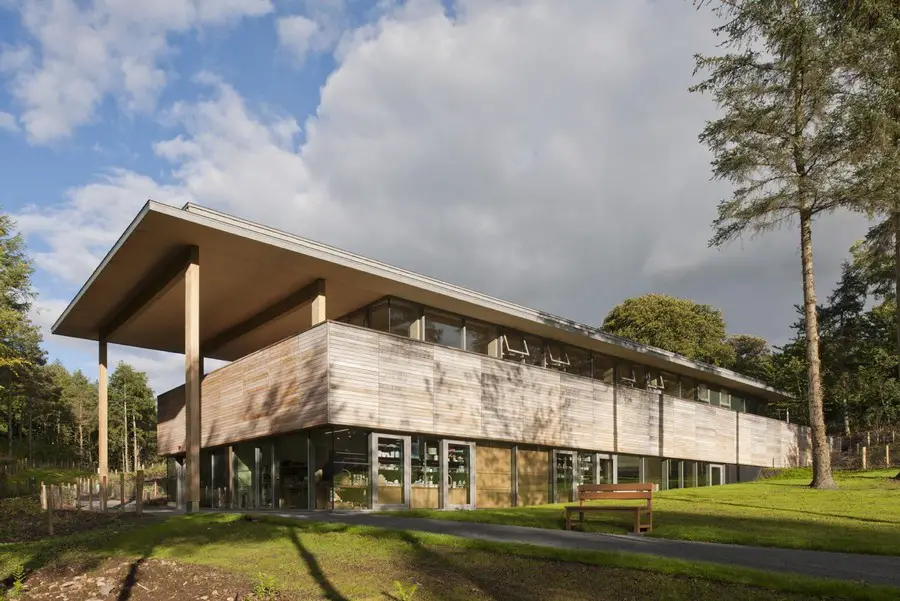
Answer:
(352, 384)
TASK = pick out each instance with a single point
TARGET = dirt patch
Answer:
(22, 520)
(140, 580)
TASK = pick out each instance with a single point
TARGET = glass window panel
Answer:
(604, 470)
(703, 393)
(654, 379)
(266, 482)
(523, 348)
(603, 368)
(565, 476)
(351, 469)
(443, 328)
(702, 474)
(479, 337)
(220, 477)
(714, 397)
(557, 356)
(459, 467)
(535, 350)
(391, 472)
(322, 443)
(629, 469)
(404, 319)
(628, 376)
(587, 464)
(244, 476)
(358, 318)
(579, 361)
(671, 385)
(725, 399)
(737, 403)
(653, 470)
(292, 460)
(426, 472)
(378, 317)
(206, 483)
(674, 474)
(690, 474)
(688, 389)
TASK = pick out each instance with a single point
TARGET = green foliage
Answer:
(265, 587)
(403, 593)
(129, 389)
(674, 324)
(752, 356)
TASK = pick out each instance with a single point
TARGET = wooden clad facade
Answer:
(346, 375)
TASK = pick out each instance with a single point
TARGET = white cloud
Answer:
(8, 122)
(85, 51)
(297, 34)
(540, 151)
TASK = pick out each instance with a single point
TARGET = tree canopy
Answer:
(675, 324)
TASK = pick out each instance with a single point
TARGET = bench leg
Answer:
(637, 521)
(568, 521)
(581, 516)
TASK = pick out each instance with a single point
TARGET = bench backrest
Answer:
(599, 492)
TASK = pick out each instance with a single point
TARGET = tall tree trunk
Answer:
(135, 463)
(821, 454)
(125, 440)
(80, 443)
(30, 428)
(896, 218)
(9, 424)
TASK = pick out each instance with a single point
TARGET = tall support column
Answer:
(192, 378)
(102, 412)
(317, 306)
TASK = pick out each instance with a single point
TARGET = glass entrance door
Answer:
(716, 475)
(563, 476)
(390, 471)
(458, 460)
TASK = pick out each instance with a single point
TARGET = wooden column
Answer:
(192, 378)
(317, 306)
(102, 408)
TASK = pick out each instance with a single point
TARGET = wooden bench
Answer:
(615, 492)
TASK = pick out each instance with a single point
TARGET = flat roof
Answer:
(246, 267)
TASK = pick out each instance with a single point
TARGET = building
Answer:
(355, 384)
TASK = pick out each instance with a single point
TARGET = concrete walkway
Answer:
(873, 569)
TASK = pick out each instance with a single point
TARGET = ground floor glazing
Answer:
(345, 469)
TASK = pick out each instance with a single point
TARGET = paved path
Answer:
(873, 569)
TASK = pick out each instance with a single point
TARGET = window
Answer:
(690, 474)
(703, 393)
(557, 356)
(404, 319)
(628, 469)
(654, 380)
(358, 319)
(378, 317)
(688, 389)
(579, 362)
(674, 474)
(670, 384)
(523, 348)
(737, 403)
(443, 328)
(627, 375)
(725, 399)
(603, 368)
(479, 337)
(714, 397)
(653, 471)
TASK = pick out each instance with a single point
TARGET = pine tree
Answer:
(780, 143)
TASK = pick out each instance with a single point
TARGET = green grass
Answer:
(336, 561)
(863, 516)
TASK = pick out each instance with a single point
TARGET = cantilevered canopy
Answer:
(254, 280)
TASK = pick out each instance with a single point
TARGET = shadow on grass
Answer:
(315, 570)
(788, 510)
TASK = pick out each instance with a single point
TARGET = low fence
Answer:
(876, 449)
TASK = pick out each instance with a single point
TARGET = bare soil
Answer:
(22, 520)
(137, 580)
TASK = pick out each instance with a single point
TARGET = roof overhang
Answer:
(247, 268)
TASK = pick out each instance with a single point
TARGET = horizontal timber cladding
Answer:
(698, 431)
(170, 422)
(637, 421)
(393, 383)
(493, 474)
(771, 443)
(279, 389)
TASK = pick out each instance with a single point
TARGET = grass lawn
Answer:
(863, 516)
(335, 561)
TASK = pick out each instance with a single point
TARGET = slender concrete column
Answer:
(102, 410)
(317, 306)
(192, 379)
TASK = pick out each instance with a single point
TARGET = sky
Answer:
(540, 151)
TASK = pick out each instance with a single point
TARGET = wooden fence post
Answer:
(139, 491)
(90, 494)
(887, 455)
(49, 495)
(103, 493)
(864, 462)
(121, 491)
(43, 496)
(77, 494)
